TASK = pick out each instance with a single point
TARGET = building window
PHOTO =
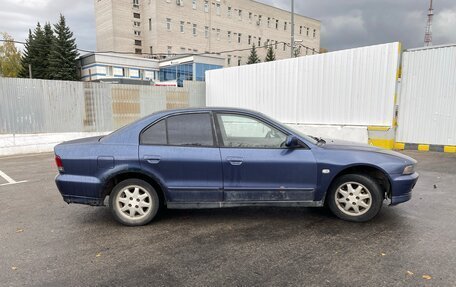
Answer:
(239, 61)
(269, 22)
(137, 33)
(240, 14)
(206, 6)
(182, 23)
(217, 9)
(239, 38)
(135, 2)
(138, 51)
(277, 24)
(150, 24)
(151, 50)
(194, 4)
(307, 34)
(169, 50)
(300, 30)
(218, 34)
(276, 43)
(284, 46)
(180, 2)
(168, 24)
(229, 36)
(249, 40)
(136, 24)
(250, 16)
(315, 33)
(194, 30)
(206, 32)
(285, 26)
(259, 41)
(228, 60)
(259, 20)
(138, 43)
(229, 11)
(136, 15)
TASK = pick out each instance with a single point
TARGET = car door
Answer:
(181, 152)
(257, 166)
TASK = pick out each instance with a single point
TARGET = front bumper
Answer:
(401, 187)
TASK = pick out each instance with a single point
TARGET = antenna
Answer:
(428, 31)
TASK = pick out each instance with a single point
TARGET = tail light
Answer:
(58, 162)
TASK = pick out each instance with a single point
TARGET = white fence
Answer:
(427, 104)
(349, 87)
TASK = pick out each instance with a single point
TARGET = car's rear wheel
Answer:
(134, 202)
(355, 197)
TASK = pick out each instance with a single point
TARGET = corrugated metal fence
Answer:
(349, 87)
(427, 104)
(41, 106)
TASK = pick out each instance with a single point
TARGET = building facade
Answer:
(162, 28)
(126, 69)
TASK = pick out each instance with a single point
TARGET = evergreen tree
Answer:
(28, 55)
(62, 59)
(10, 58)
(296, 52)
(253, 57)
(39, 54)
(45, 52)
(270, 55)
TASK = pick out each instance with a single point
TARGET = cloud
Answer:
(345, 24)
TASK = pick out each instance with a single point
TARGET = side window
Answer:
(190, 130)
(244, 131)
(155, 135)
(181, 130)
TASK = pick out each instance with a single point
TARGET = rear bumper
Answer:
(401, 188)
(80, 189)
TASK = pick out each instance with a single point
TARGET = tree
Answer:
(253, 57)
(45, 53)
(35, 53)
(270, 55)
(62, 58)
(10, 58)
(27, 56)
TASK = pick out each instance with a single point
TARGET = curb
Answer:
(425, 147)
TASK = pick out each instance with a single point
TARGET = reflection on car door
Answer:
(181, 151)
(256, 166)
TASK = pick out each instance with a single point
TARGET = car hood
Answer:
(335, 144)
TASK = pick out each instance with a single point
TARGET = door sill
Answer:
(203, 205)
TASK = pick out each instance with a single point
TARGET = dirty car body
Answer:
(223, 157)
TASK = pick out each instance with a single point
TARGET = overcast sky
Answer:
(345, 23)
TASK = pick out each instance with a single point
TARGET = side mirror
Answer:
(291, 141)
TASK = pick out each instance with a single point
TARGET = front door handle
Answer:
(234, 160)
(153, 159)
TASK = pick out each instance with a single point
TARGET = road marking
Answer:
(9, 179)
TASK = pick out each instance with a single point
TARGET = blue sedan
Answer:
(223, 157)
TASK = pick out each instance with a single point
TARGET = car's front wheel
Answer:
(134, 202)
(355, 197)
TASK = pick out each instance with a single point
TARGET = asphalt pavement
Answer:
(45, 242)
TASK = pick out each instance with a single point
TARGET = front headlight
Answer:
(409, 169)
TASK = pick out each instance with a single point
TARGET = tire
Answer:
(355, 197)
(134, 202)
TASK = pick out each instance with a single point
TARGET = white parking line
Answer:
(9, 179)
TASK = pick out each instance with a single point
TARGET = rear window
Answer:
(181, 130)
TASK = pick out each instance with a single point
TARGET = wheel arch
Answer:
(375, 172)
(114, 179)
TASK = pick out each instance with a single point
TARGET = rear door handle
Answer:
(153, 159)
(234, 160)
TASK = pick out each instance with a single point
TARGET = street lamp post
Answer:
(292, 29)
